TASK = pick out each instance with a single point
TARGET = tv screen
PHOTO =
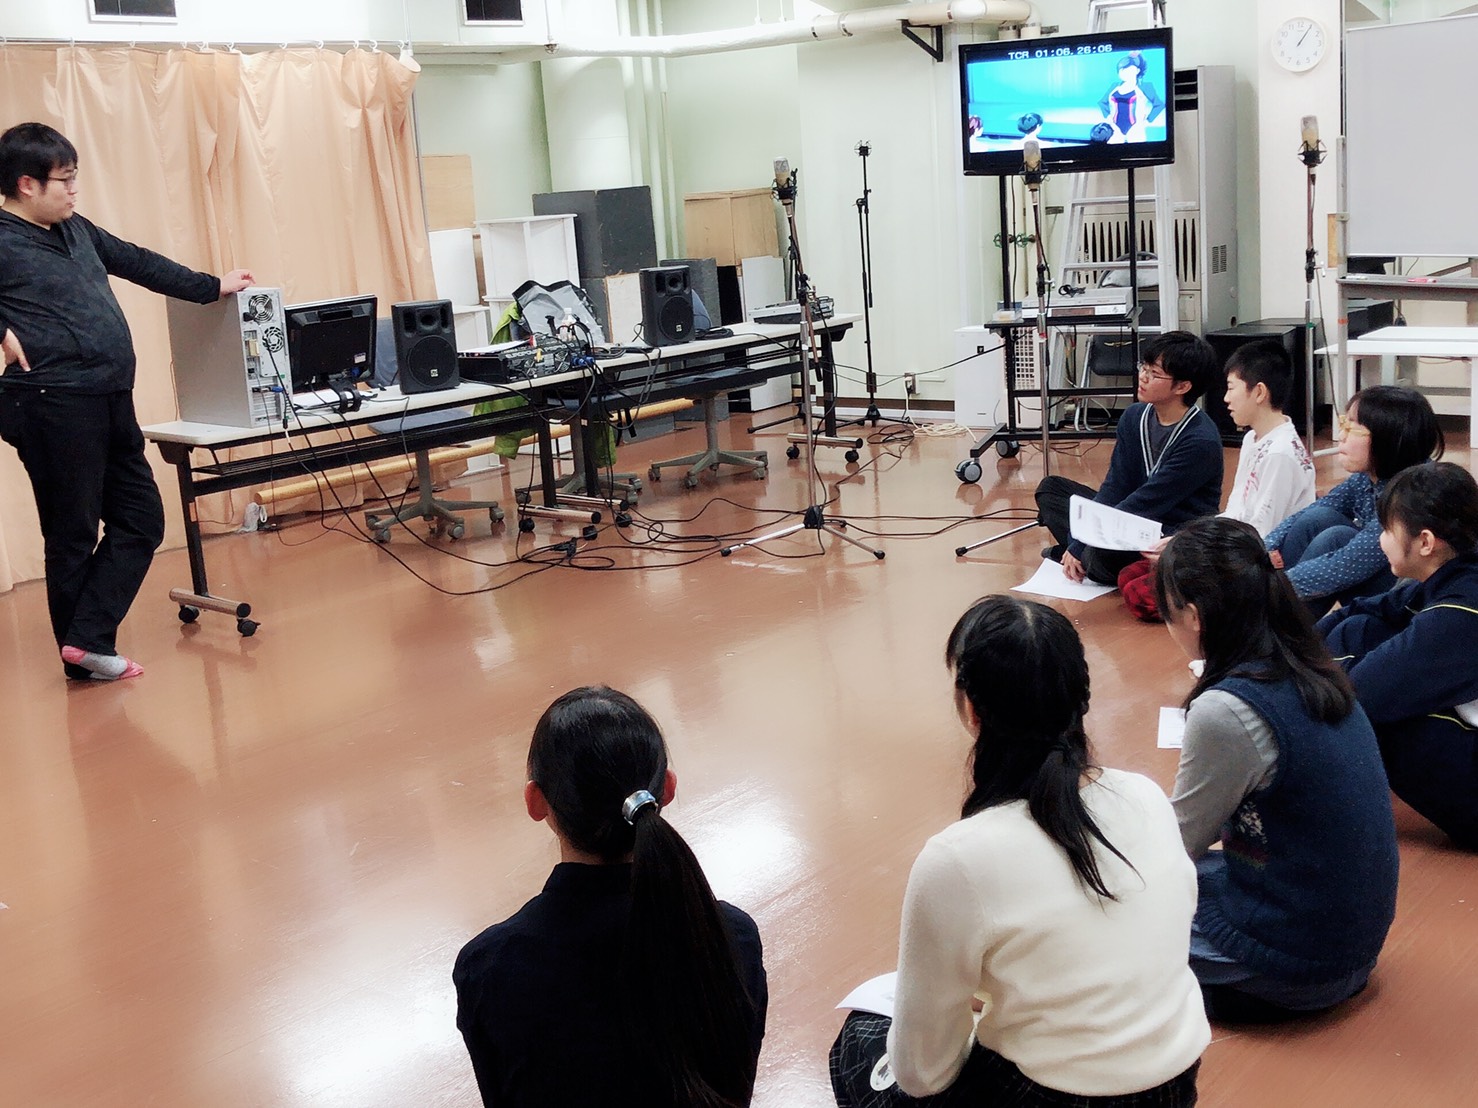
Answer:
(1101, 101)
(331, 341)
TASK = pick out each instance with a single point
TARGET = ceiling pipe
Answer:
(817, 28)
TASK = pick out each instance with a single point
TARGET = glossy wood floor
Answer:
(242, 878)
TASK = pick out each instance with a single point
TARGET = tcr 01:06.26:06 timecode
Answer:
(1061, 51)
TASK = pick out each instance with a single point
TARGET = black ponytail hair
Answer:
(683, 995)
(1022, 668)
(1439, 497)
(1252, 622)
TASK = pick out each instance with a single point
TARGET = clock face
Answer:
(1299, 44)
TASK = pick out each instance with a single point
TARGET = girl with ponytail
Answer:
(624, 982)
(1280, 764)
(1058, 907)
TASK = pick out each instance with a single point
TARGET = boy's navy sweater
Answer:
(1309, 889)
(1185, 483)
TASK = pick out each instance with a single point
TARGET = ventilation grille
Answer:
(1106, 239)
(1218, 260)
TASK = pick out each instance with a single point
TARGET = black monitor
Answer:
(1100, 101)
(331, 342)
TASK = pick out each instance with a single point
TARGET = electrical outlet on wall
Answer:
(910, 384)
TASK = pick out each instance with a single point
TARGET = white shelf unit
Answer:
(529, 248)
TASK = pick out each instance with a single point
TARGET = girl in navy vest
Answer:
(624, 982)
(1281, 765)
(1408, 652)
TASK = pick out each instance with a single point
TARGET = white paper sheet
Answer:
(875, 996)
(1172, 728)
(1107, 528)
(1049, 580)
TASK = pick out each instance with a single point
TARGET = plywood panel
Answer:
(447, 181)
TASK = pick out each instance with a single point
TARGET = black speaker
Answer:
(1289, 332)
(666, 306)
(425, 345)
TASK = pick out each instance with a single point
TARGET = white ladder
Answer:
(1080, 204)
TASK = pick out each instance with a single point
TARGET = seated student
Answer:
(1059, 906)
(1167, 460)
(623, 982)
(1331, 549)
(1275, 475)
(1409, 652)
(1281, 765)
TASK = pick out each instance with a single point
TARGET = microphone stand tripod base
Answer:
(814, 519)
(961, 551)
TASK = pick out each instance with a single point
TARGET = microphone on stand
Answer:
(1031, 163)
(784, 186)
(1312, 151)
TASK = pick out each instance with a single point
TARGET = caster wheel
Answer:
(792, 452)
(521, 497)
(456, 531)
(189, 613)
(589, 534)
(654, 474)
(851, 455)
(526, 525)
(381, 536)
(690, 482)
(636, 484)
(761, 473)
(623, 519)
(247, 627)
(495, 515)
(1008, 449)
(968, 471)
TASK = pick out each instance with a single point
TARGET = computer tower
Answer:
(230, 359)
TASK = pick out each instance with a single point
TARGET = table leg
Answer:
(193, 602)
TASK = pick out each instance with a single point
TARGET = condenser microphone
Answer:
(1031, 161)
(1310, 152)
(784, 186)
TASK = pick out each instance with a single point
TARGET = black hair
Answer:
(1132, 60)
(1264, 362)
(1403, 428)
(1252, 622)
(1184, 356)
(1028, 122)
(1022, 668)
(686, 1004)
(1439, 497)
(32, 150)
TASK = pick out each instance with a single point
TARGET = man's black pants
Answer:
(85, 458)
(1053, 494)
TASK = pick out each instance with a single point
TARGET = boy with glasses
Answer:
(1166, 465)
(66, 395)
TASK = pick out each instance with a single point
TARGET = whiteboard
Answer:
(1411, 157)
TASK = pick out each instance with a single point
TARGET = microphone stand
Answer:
(864, 241)
(814, 518)
(1312, 155)
(1032, 175)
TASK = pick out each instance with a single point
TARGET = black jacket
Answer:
(54, 295)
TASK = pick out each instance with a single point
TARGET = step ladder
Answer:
(1080, 207)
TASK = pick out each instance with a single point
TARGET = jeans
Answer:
(1320, 530)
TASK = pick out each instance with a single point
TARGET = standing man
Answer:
(66, 396)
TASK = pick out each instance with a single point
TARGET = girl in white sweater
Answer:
(1058, 908)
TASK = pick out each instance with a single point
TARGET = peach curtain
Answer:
(297, 164)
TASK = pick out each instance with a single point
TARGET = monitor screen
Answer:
(1101, 101)
(331, 341)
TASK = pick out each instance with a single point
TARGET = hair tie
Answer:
(635, 803)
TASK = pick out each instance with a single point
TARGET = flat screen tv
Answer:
(1101, 101)
(331, 342)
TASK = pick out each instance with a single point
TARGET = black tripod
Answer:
(814, 518)
(864, 243)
